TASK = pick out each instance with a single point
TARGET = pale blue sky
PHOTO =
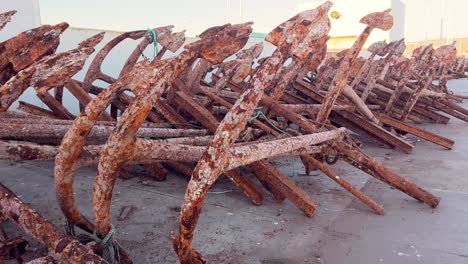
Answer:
(184, 14)
(423, 17)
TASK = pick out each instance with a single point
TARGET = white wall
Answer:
(196, 16)
(27, 17)
(422, 17)
(427, 19)
(399, 19)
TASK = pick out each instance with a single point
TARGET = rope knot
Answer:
(151, 34)
(70, 228)
(153, 38)
(109, 245)
(260, 113)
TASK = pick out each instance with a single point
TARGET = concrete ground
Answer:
(232, 230)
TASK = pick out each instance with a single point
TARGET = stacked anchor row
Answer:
(205, 116)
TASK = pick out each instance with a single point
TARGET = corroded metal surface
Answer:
(13, 248)
(5, 18)
(120, 144)
(51, 71)
(291, 37)
(18, 52)
(223, 114)
(62, 247)
(382, 20)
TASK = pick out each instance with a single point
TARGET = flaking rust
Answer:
(121, 143)
(143, 74)
(62, 248)
(198, 107)
(292, 37)
(381, 20)
(20, 51)
(51, 71)
(5, 18)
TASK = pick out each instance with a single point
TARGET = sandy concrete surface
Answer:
(232, 230)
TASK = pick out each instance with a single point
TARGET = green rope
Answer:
(260, 113)
(220, 192)
(110, 248)
(69, 228)
(153, 38)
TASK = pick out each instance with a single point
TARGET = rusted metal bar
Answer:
(232, 38)
(361, 196)
(372, 129)
(75, 139)
(80, 94)
(33, 45)
(299, 31)
(24, 118)
(150, 151)
(55, 133)
(64, 248)
(379, 131)
(387, 175)
(439, 140)
(382, 20)
(5, 18)
(52, 71)
(239, 155)
(13, 248)
(376, 169)
(35, 110)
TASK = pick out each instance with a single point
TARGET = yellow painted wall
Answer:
(341, 43)
(462, 45)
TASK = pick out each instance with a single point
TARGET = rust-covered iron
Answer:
(291, 38)
(62, 248)
(51, 71)
(76, 137)
(204, 115)
(122, 142)
(5, 18)
(20, 51)
(13, 248)
(405, 89)
(381, 20)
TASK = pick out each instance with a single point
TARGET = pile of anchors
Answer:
(195, 112)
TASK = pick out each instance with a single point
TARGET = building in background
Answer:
(196, 16)
(346, 27)
(419, 21)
